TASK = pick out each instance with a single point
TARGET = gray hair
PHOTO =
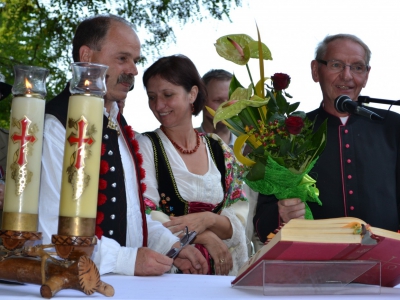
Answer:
(322, 46)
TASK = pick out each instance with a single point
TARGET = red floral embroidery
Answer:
(99, 232)
(143, 187)
(135, 145)
(100, 217)
(150, 203)
(142, 173)
(103, 149)
(102, 184)
(130, 132)
(236, 194)
(101, 199)
(104, 167)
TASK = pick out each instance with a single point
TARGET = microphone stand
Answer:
(366, 99)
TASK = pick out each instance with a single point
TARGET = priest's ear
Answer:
(85, 54)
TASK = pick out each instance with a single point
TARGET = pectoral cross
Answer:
(24, 138)
(81, 140)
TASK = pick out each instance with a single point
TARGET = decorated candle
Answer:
(24, 149)
(81, 165)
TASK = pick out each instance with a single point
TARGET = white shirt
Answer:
(108, 255)
(200, 188)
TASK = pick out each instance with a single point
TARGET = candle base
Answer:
(73, 247)
(19, 221)
(17, 239)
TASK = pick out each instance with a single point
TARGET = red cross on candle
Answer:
(81, 140)
(24, 138)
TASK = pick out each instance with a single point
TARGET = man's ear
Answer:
(314, 71)
(85, 54)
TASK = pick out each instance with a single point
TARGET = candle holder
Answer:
(81, 166)
(20, 218)
(20, 261)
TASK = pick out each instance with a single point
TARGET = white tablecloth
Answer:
(174, 286)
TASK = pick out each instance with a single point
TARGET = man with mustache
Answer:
(129, 242)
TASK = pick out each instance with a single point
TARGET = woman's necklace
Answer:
(179, 148)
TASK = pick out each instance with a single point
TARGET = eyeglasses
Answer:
(185, 240)
(338, 66)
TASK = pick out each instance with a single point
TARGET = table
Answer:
(174, 286)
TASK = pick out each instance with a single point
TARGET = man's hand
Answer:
(151, 263)
(292, 208)
(191, 261)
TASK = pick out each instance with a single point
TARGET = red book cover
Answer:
(383, 249)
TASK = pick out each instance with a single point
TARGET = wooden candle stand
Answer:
(33, 264)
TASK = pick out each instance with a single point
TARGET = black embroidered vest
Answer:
(112, 193)
(167, 188)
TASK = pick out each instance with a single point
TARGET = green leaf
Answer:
(254, 53)
(256, 172)
(293, 107)
(233, 107)
(228, 51)
(318, 139)
(234, 84)
(281, 102)
(299, 113)
(241, 94)
(250, 116)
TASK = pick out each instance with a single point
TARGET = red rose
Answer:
(294, 124)
(280, 81)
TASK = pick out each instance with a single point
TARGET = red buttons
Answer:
(347, 146)
(349, 177)
(349, 161)
(351, 192)
(346, 131)
(351, 207)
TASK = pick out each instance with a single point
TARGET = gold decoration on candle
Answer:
(82, 139)
(25, 138)
(25, 149)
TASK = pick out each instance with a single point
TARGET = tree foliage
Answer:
(40, 32)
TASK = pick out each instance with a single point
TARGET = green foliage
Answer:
(40, 32)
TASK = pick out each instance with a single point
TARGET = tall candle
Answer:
(82, 151)
(25, 149)
(81, 166)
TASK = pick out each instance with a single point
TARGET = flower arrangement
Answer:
(284, 145)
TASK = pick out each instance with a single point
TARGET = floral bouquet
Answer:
(283, 143)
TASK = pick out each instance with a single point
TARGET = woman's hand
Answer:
(220, 253)
(198, 222)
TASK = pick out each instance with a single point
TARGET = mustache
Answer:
(126, 78)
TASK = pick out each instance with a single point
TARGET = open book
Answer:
(336, 239)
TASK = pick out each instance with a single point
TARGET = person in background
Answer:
(358, 174)
(192, 179)
(129, 242)
(5, 90)
(217, 83)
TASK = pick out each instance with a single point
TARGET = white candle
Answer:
(81, 166)
(24, 160)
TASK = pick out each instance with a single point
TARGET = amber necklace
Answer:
(179, 148)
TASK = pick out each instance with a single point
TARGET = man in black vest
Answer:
(129, 242)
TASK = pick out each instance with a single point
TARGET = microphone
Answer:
(343, 104)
